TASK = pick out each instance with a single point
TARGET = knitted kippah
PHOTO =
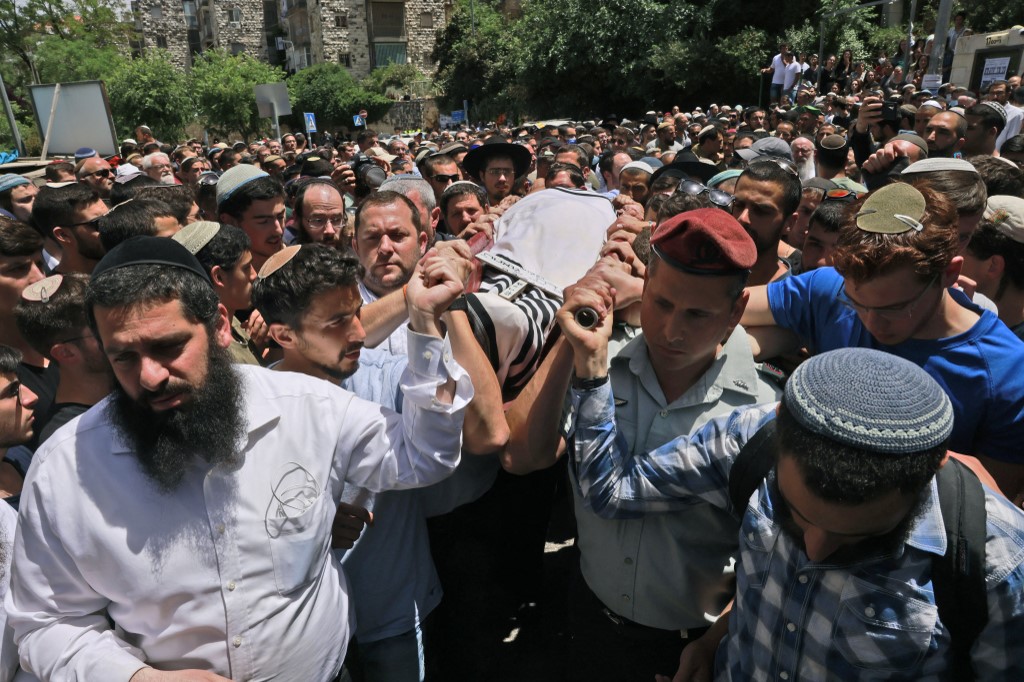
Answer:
(10, 181)
(235, 177)
(871, 400)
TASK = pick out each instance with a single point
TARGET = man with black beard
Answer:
(181, 529)
(842, 543)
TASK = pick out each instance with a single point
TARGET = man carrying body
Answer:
(842, 541)
(690, 363)
(247, 467)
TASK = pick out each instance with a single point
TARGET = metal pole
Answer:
(15, 133)
(277, 126)
(910, 38)
(821, 57)
(941, 30)
(49, 124)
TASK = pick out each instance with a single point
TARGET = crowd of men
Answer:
(398, 352)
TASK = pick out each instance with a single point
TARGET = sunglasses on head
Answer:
(717, 197)
(784, 164)
(845, 195)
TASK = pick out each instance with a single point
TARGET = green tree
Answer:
(151, 90)
(223, 85)
(329, 91)
(470, 61)
(393, 80)
(67, 61)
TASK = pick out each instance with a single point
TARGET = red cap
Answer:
(707, 241)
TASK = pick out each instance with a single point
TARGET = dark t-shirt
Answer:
(43, 382)
(60, 414)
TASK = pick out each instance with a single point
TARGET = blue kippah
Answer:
(10, 181)
(870, 400)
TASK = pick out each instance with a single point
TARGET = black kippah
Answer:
(145, 250)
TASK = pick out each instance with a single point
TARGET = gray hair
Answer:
(406, 185)
(150, 159)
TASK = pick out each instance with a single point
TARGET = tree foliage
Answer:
(330, 91)
(224, 88)
(152, 91)
(67, 61)
(393, 80)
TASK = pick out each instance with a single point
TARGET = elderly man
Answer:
(219, 493)
(158, 166)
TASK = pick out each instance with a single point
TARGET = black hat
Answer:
(477, 158)
(690, 165)
(145, 250)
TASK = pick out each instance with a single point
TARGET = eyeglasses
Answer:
(440, 177)
(208, 178)
(784, 164)
(91, 224)
(717, 197)
(900, 311)
(499, 172)
(847, 196)
(102, 172)
(321, 221)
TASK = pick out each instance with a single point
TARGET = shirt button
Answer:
(791, 627)
(625, 597)
(803, 579)
(663, 414)
(784, 675)
(629, 561)
(237, 641)
(231, 586)
(220, 528)
(869, 612)
(447, 357)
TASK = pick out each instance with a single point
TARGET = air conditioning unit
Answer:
(235, 24)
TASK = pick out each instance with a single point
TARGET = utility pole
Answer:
(941, 36)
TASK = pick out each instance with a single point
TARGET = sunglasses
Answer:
(103, 173)
(845, 195)
(208, 178)
(440, 177)
(91, 224)
(717, 197)
(784, 164)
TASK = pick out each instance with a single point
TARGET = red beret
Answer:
(707, 241)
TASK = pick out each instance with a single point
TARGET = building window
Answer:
(161, 42)
(345, 59)
(191, 20)
(388, 19)
(389, 53)
(156, 12)
(426, 20)
(233, 15)
(237, 48)
(428, 58)
(341, 21)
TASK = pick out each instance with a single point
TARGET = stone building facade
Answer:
(188, 27)
(363, 34)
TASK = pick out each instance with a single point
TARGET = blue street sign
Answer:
(310, 122)
(357, 120)
(458, 116)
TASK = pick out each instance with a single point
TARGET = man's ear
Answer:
(63, 353)
(222, 332)
(952, 272)
(284, 335)
(63, 236)
(217, 276)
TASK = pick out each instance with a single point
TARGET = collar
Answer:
(733, 370)
(929, 532)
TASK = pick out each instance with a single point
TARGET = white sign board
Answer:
(931, 81)
(995, 70)
(271, 95)
(81, 118)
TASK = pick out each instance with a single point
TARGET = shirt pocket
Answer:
(757, 541)
(879, 630)
(299, 543)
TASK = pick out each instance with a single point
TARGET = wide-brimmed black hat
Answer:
(689, 164)
(475, 161)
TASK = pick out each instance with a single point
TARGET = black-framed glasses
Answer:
(845, 195)
(440, 177)
(900, 311)
(722, 200)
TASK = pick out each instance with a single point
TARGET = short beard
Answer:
(209, 426)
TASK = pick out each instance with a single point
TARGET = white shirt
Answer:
(231, 572)
(8, 652)
(1014, 119)
(395, 343)
(779, 70)
(792, 76)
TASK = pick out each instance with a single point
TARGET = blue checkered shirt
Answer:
(795, 619)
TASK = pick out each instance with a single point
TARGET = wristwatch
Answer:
(590, 383)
